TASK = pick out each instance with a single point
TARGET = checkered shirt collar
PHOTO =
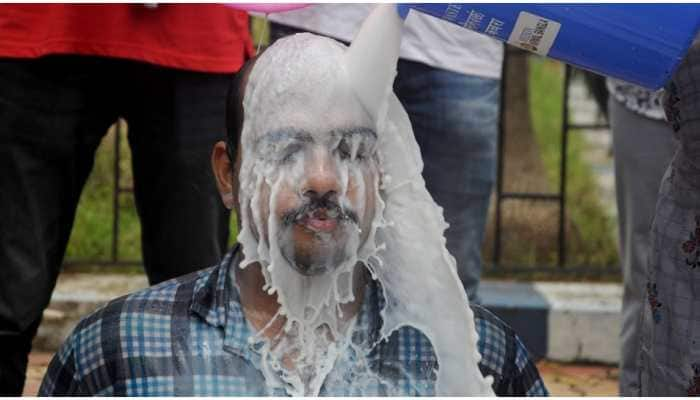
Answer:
(216, 300)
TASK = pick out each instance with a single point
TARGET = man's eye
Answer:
(290, 152)
(362, 153)
(344, 150)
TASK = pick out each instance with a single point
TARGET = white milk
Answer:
(311, 84)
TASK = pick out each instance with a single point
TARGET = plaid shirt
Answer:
(188, 336)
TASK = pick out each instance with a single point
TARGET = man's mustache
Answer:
(327, 203)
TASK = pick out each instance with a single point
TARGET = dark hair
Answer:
(234, 108)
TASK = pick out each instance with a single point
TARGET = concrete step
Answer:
(568, 322)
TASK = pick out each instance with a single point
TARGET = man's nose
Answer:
(322, 178)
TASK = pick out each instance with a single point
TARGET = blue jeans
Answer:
(455, 120)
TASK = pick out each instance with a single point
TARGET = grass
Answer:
(590, 242)
(91, 238)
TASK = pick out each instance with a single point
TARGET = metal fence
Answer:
(557, 199)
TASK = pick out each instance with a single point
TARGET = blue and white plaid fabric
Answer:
(188, 336)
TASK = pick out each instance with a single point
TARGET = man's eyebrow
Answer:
(286, 134)
(362, 131)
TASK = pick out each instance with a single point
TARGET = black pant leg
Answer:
(48, 135)
(14, 360)
(175, 118)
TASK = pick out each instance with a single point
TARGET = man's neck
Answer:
(260, 308)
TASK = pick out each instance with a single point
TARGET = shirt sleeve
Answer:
(526, 381)
(61, 376)
(505, 357)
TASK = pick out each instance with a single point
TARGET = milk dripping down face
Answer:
(309, 197)
(330, 187)
(316, 199)
(309, 173)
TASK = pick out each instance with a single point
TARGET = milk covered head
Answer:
(314, 146)
(330, 194)
(309, 183)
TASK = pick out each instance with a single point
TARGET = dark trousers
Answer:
(54, 112)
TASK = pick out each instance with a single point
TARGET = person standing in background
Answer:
(669, 357)
(448, 80)
(68, 72)
(643, 145)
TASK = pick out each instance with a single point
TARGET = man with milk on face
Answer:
(340, 284)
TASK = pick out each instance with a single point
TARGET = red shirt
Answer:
(198, 37)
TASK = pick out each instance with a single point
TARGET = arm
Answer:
(526, 380)
(61, 376)
(504, 356)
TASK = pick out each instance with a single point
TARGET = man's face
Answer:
(323, 199)
(309, 161)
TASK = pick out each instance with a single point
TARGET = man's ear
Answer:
(222, 166)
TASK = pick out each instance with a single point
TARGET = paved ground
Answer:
(38, 361)
(561, 379)
(579, 379)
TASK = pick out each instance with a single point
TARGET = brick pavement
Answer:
(561, 379)
(38, 361)
(579, 379)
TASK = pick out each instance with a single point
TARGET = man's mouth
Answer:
(319, 220)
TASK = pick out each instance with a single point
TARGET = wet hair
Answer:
(234, 108)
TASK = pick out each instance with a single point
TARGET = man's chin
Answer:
(314, 254)
(315, 262)
(313, 270)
